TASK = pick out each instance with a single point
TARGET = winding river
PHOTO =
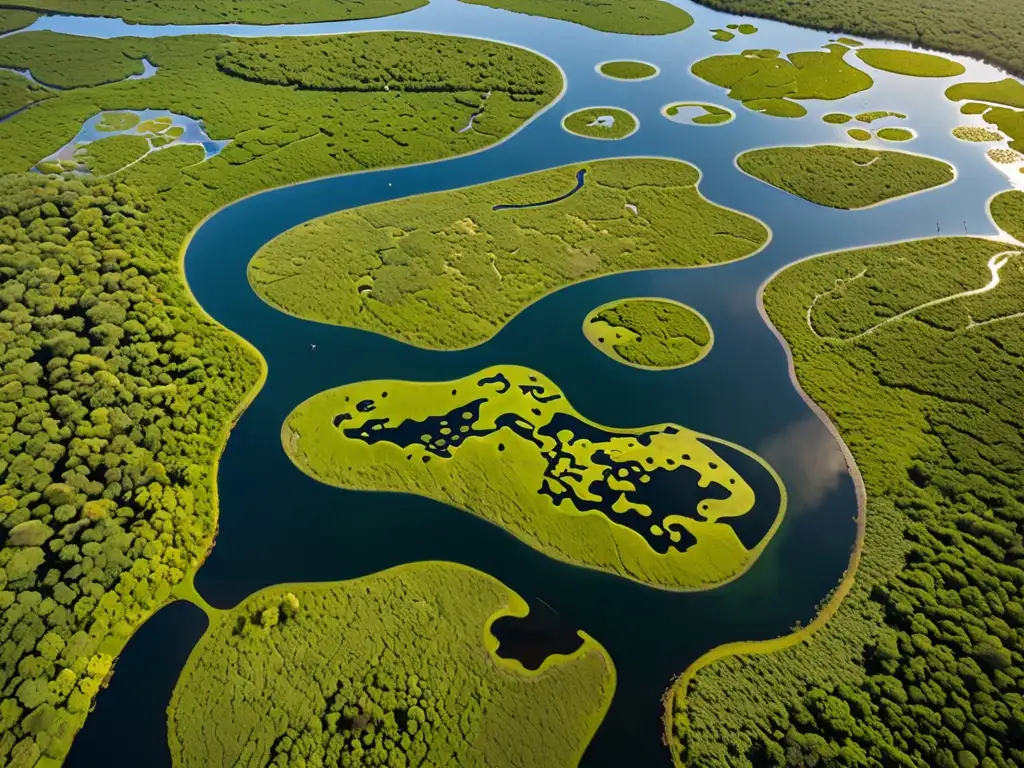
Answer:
(277, 525)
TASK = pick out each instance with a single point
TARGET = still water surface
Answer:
(278, 525)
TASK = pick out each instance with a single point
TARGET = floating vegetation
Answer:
(870, 117)
(912, 63)
(661, 505)
(859, 134)
(894, 134)
(697, 113)
(837, 118)
(722, 35)
(649, 333)
(977, 133)
(1004, 156)
(628, 70)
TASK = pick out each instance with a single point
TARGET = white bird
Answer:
(312, 347)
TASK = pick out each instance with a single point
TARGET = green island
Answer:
(764, 81)
(843, 176)
(1007, 209)
(912, 63)
(743, 29)
(894, 134)
(977, 133)
(625, 17)
(914, 351)
(649, 333)
(116, 391)
(412, 679)
(996, 28)
(568, 487)
(881, 114)
(1008, 118)
(859, 134)
(698, 113)
(460, 270)
(628, 70)
(837, 118)
(1004, 156)
(215, 11)
(731, 30)
(722, 35)
(608, 123)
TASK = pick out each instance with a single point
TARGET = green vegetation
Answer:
(17, 92)
(627, 17)
(923, 375)
(722, 35)
(573, 489)
(976, 133)
(223, 11)
(837, 118)
(649, 333)
(894, 134)
(1007, 91)
(984, 28)
(849, 41)
(115, 390)
(698, 113)
(973, 107)
(113, 153)
(859, 134)
(628, 70)
(766, 82)
(1007, 209)
(601, 123)
(845, 177)
(117, 121)
(411, 680)
(69, 62)
(913, 63)
(870, 117)
(12, 19)
(743, 29)
(1005, 156)
(457, 270)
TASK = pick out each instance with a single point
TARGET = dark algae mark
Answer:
(580, 174)
(532, 638)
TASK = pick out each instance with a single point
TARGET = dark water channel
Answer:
(278, 525)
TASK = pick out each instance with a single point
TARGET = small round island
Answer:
(650, 333)
(601, 123)
(627, 70)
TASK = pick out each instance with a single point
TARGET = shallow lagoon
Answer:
(741, 391)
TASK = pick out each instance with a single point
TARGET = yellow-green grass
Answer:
(651, 333)
(1008, 91)
(1007, 209)
(17, 92)
(913, 63)
(849, 41)
(975, 108)
(766, 82)
(976, 133)
(446, 271)
(506, 445)
(843, 176)
(109, 155)
(837, 118)
(743, 29)
(880, 114)
(894, 134)
(627, 17)
(1004, 156)
(117, 121)
(859, 134)
(607, 123)
(722, 35)
(628, 70)
(394, 669)
(11, 19)
(712, 114)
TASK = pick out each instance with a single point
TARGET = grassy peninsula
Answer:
(765, 81)
(467, 268)
(916, 356)
(1008, 118)
(627, 17)
(649, 333)
(506, 445)
(116, 391)
(393, 669)
(845, 177)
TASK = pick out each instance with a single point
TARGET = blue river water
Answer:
(278, 525)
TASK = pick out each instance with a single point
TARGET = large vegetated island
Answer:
(627, 17)
(915, 351)
(115, 389)
(845, 177)
(447, 270)
(661, 505)
(219, 11)
(393, 669)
